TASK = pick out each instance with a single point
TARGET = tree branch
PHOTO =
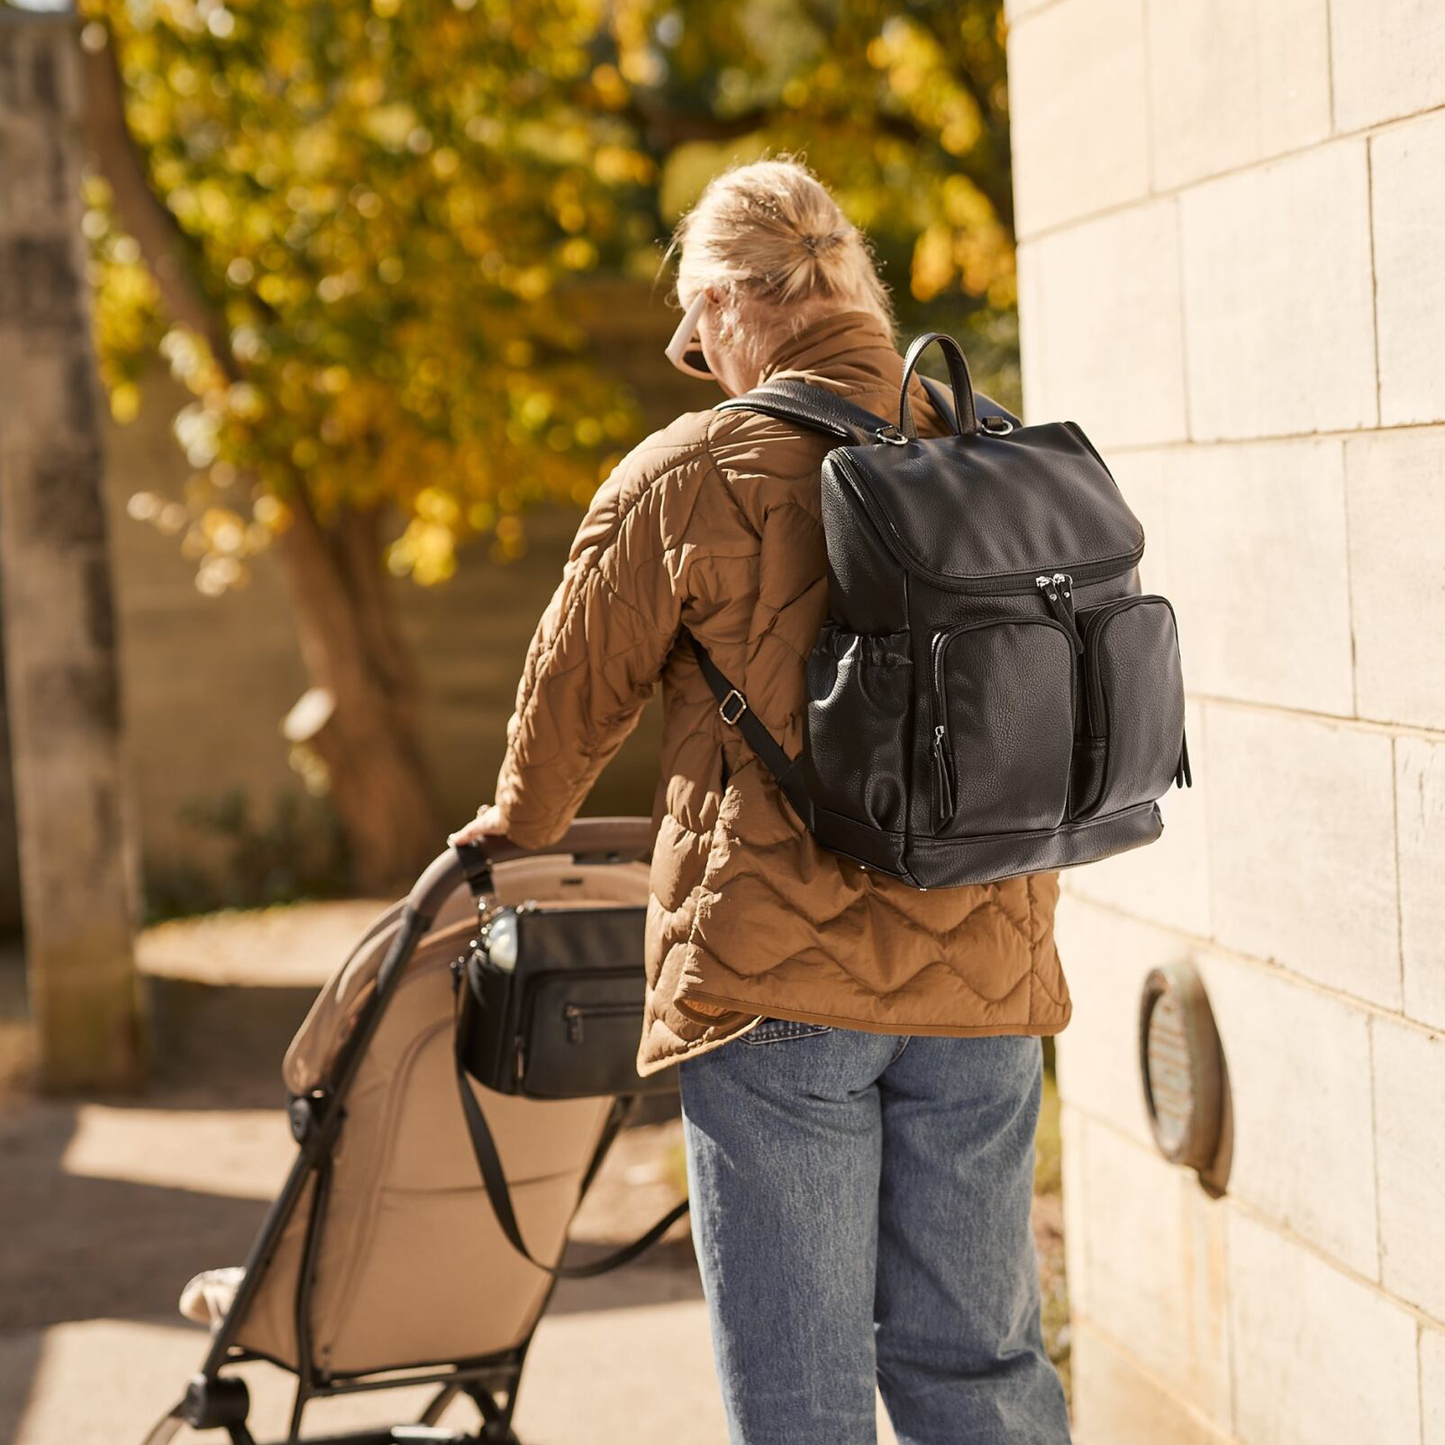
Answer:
(162, 242)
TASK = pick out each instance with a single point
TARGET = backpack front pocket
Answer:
(1003, 725)
(1133, 725)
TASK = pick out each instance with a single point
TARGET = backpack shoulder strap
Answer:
(821, 410)
(814, 407)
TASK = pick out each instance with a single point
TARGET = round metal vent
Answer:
(1182, 1064)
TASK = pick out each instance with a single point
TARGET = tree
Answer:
(61, 685)
(350, 228)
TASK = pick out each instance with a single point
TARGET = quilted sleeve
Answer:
(597, 652)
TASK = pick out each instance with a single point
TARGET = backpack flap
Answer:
(992, 512)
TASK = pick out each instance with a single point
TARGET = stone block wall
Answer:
(1231, 219)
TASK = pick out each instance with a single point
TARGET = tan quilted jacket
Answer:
(713, 524)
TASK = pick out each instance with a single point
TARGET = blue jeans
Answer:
(860, 1208)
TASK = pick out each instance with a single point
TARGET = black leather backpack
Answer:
(991, 694)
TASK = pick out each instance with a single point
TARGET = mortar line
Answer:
(1269, 966)
(1230, 1351)
(1330, 61)
(1148, 94)
(1374, 276)
(1420, 1378)
(1284, 1229)
(1118, 208)
(1183, 319)
(1187, 1406)
(1349, 580)
(1185, 444)
(1375, 1150)
(1375, 727)
(1399, 885)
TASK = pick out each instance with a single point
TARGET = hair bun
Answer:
(816, 245)
(770, 231)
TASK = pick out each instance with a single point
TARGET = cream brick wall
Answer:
(1279, 332)
(1432, 1387)
(1231, 219)
(1138, 251)
(1420, 818)
(1386, 59)
(1266, 66)
(1395, 487)
(1318, 1355)
(1407, 171)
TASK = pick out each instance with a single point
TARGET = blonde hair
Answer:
(770, 237)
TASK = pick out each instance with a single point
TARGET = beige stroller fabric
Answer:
(411, 1266)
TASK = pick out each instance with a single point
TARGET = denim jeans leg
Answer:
(783, 1151)
(960, 1347)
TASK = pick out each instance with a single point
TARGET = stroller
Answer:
(381, 1263)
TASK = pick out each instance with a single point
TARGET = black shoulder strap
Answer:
(495, 1179)
(814, 407)
(821, 410)
(734, 710)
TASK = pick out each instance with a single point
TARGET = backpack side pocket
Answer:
(860, 697)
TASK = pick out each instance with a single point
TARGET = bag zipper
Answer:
(1058, 590)
(944, 778)
(1001, 584)
(576, 1013)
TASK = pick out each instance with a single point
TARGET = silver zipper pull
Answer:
(943, 774)
(573, 1015)
(1059, 590)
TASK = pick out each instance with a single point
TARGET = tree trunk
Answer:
(77, 867)
(333, 570)
(368, 738)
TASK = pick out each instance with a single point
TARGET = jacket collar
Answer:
(853, 349)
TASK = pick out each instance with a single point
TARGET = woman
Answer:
(860, 1066)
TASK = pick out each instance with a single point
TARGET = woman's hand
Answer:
(487, 824)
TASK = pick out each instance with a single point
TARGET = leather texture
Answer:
(1002, 709)
(1033, 717)
(560, 1017)
(1133, 700)
(715, 525)
(965, 411)
(981, 508)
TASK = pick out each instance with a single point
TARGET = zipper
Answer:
(576, 1013)
(1001, 584)
(943, 782)
(944, 778)
(1058, 591)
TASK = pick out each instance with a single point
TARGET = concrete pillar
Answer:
(77, 873)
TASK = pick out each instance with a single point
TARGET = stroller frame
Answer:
(216, 1401)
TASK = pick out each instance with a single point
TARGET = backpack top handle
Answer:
(966, 423)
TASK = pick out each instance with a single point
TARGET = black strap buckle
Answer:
(722, 707)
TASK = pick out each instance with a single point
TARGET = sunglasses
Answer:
(684, 351)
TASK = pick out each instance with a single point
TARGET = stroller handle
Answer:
(618, 838)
